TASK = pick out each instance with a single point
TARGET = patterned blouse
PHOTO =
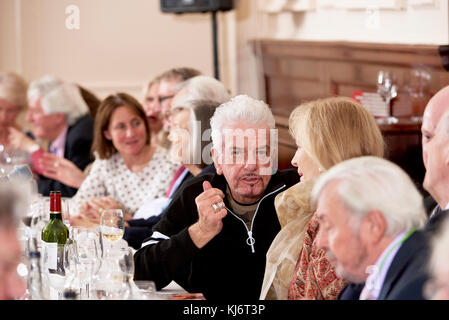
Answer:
(314, 277)
(111, 178)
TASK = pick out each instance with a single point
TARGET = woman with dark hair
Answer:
(128, 169)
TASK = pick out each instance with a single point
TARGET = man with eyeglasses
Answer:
(158, 97)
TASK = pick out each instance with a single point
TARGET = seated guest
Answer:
(192, 94)
(369, 211)
(188, 126)
(327, 131)
(13, 101)
(12, 285)
(59, 115)
(437, 287)
(158, 98)
(435, 143)
(128, 170)
(62, 169)
(214, 235)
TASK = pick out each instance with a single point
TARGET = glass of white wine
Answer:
(111, 226)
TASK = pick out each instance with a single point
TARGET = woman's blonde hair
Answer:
(13, 88)
(335, 129)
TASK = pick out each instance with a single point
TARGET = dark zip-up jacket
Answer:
(226, 268)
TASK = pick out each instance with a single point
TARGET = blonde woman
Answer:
(13, 100)
(326, 131)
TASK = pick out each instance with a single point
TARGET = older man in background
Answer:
(159, 94)
(60, 116)
(214, 235)
(370, 212)
(435, 142)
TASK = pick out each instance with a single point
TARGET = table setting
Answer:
(94, 264)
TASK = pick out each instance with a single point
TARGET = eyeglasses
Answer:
(164, 98)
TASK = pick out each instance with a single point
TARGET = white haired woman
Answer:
(327, 131)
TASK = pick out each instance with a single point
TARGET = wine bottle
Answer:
(54, 236)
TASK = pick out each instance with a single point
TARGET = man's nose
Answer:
(251, 161)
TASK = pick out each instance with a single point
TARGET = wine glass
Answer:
(89, 256)
(388, 90)
(111, 226)
(65, 210)
(71, 269)
(112, 281)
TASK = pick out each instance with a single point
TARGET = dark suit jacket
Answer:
(436, 220)
(77, 149)
(407, 273)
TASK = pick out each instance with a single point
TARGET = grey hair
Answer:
(371, 183)
(241, 108)
(203, 88)
(58, 96)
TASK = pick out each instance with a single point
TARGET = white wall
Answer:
(393, 21)
(404, 21)
(121, 44)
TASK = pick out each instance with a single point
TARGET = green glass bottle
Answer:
(54, 236)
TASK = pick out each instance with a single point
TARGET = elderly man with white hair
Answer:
(214, 235)
(370, 212)
(60, 116)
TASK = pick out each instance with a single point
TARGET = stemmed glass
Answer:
(111, 226)
(89, 256)
(387, 88)
(65, 202)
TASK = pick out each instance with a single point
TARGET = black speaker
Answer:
(191, 6)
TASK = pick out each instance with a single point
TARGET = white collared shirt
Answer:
(376, 278)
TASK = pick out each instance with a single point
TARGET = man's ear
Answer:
(374, 226)
(217, 161)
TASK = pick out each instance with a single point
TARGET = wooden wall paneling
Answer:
(298, 71)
